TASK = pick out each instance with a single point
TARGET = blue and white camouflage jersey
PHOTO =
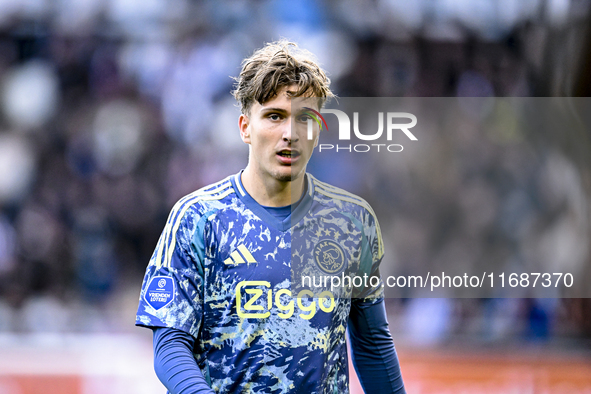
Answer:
(260, 294)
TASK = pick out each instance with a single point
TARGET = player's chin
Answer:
(288, 174)
(284, 176)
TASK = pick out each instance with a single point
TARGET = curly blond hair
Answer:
(276, 65)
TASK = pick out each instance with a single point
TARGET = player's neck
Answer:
(269, 191)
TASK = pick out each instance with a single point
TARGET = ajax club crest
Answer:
(329, 256)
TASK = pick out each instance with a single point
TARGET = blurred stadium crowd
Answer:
(112, 110)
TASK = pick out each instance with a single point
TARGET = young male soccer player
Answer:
(219, 291)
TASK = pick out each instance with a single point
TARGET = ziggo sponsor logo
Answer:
(249, 308)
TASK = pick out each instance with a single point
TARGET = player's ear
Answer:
(244, 126)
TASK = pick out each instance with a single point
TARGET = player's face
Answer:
(277, 132)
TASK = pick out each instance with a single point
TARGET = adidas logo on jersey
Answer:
(240, 256)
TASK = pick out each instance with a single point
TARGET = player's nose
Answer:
(288, 135)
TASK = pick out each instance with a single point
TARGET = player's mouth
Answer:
(288, 156)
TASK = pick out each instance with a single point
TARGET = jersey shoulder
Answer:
(345, 201)
(190, 210)
(336, 199)
(208, 198)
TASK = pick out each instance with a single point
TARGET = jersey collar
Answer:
(281, 225)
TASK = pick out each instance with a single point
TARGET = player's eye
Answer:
(274, 117)
(304, 117)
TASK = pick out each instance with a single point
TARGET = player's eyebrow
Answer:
(273, 109)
